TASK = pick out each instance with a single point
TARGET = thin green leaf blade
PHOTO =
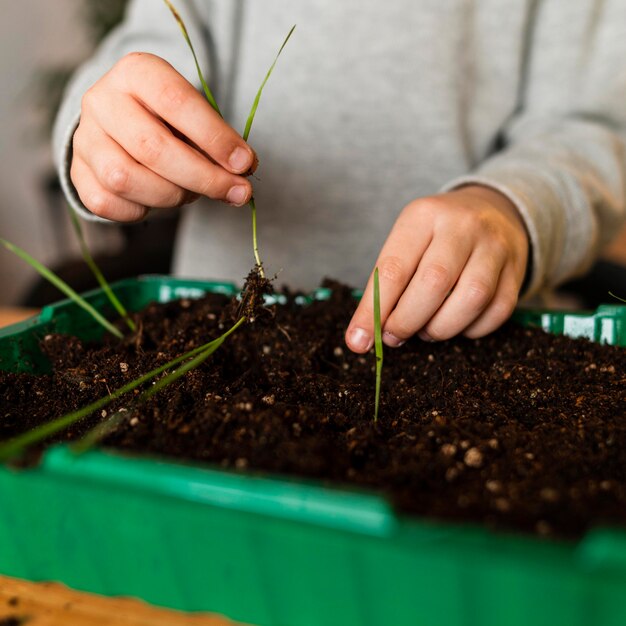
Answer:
(257, 99)
(102, 281)
(62, 286)
(207, 91)
(378, 343)
(18, 444)
(193, 363)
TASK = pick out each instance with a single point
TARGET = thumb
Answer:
(360, 333)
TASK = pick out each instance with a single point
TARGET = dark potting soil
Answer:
(519, 430)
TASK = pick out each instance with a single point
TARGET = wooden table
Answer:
(11, 315)
(51, 604)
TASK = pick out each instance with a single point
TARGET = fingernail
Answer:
(361, 340)
(424, 336)
(392, 341)
(240, 159)
(237, 195)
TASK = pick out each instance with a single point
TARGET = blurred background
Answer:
(41, 43)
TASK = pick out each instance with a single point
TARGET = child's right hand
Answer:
(147, 138)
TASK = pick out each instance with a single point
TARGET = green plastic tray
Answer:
(276, 552)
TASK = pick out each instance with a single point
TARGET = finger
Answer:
(501, 306)
(118, 173)
(472, 294)
(396, 265)
(100, 201)
(151, 143)
(156, 84)
(437, 273)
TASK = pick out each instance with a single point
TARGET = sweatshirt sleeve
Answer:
(148, 26)
(563, 161)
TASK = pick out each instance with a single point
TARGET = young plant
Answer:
(195, 357)
(102, 281)
(378, 343)
(104, 428)
(248, 127)
(60, 284)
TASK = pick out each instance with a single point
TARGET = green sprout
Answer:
(257, 99)
(248, 127)
(113, 299)
(60, 284)
(207, 91)
(195, 357)
(189, 360)
(378, 343)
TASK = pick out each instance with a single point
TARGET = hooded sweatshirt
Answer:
(374, 104)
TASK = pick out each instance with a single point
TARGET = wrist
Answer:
(495, 199)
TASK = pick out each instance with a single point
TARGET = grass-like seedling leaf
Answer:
(99, 432)
(257, 99)
(249, 121)
(60, 284)
(207, 91)
(196, 357)
(246, 134)
(17, 445)
(193, 363)
(119, 307)
(616, 297)
(378, 343)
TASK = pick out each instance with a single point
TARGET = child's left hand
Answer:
(453, 263)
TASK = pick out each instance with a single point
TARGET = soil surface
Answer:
(520, 430)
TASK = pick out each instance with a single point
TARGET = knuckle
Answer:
(88, 100)
(99, 204)
(211, 186)
(399, 328)
(478, 294)
(115, 177)
(151, 147)
(216, 137)
(174, 96)
(437, 333)
(437, 276)
(179, 198)
(134, 214)
(393, 270)
(78, 140)
(503, 308)
(431, 206)
(131, 61)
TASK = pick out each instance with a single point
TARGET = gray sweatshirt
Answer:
(374, 104)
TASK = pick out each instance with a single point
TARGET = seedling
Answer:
(194, 357)
(190, 360)
(378, 343)
(207, 90)
(60, 284)
(102, 281)
(248, 127)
